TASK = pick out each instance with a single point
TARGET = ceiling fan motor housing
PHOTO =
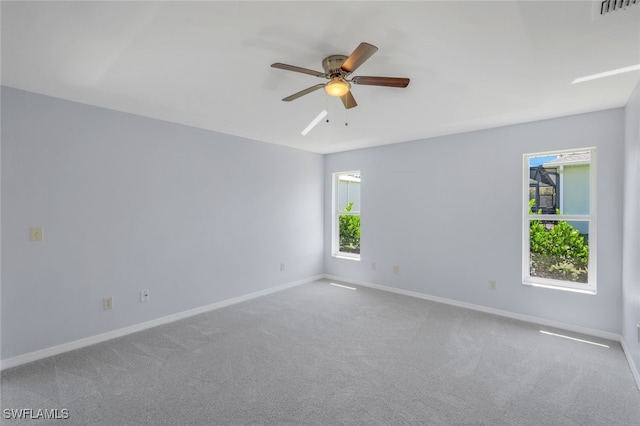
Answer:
(331, 65)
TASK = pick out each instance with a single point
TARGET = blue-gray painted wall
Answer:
(456, 221)
(130, 203)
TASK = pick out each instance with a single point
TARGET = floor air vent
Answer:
(609, 6)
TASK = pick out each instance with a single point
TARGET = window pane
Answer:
(560, 183)
(576, 189)
(346, 234)
(349, 233)
(543, 186)
(349, 192)
(558, 250)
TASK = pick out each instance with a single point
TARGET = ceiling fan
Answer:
(336, 69)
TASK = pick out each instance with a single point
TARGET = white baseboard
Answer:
(499, 312)
(632, 365)
(92, 340)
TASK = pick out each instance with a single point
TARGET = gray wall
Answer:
(129, 203)
(456, 222)
(631, 246)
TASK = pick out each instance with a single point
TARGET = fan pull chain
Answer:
(327, 108)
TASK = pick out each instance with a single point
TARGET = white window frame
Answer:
(335, 234)
(591, 286)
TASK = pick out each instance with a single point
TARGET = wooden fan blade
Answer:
(348, 100)
(297, 69)
(303, 92)
(381, 81)
(363, 52)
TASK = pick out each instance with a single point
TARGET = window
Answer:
(346, 218)
(559, 226)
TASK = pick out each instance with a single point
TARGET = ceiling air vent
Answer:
(609, 6)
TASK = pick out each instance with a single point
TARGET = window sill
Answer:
(346, 257)
(560, 287)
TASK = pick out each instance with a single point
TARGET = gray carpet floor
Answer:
(319, 354)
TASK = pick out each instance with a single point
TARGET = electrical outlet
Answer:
(144, 295)
(373, 266)
(396, 269)
(107, 303)
(36, 233)
(281, 267)
(492, 284)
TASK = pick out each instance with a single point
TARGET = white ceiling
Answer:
(472, 65)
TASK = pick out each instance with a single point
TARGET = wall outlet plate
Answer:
(144, 295)
(107, 303)
(36, 233)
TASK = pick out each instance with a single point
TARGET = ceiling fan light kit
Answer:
(337, 87)
(336, 69)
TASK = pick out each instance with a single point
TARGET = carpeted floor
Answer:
(319, 354)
